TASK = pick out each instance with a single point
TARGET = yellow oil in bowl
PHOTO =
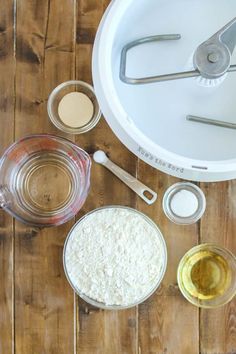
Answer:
(205, 275)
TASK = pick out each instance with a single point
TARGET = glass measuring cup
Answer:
(44, 180)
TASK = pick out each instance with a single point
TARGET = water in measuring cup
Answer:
(46, 184)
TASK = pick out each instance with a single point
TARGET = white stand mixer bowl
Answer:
(151, 119)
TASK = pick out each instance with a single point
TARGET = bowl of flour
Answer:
(115, 257)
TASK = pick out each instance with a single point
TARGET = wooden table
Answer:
(43, 43)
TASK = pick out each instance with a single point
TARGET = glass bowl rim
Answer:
(75, 131)
(187, 220)
(117, 307)
(204, 245)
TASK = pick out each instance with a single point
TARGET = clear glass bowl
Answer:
(186, 267)
(44, 180)
(170, 193)
(116, 307)
(59, 92)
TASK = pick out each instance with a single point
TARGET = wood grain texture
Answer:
(44, 302)
(39, 313)
(166, 320)
(102, 332)
(168, 325)
(218, 327)
(7, 67)
(106, 332)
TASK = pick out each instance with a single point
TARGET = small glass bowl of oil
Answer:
(207, 276)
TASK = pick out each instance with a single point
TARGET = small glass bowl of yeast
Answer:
(73, 107)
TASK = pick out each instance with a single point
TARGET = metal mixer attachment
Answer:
(212, 58)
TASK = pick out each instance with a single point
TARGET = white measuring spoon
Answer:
(138, 187)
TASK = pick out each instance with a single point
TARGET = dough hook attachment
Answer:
(212, 58)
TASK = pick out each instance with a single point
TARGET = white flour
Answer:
(114, 256)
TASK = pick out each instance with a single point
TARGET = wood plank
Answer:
(7, 66)
(218, 326)
(168, 325)
(102, 332)
(106, 332)
(167, 322)
(44, 301)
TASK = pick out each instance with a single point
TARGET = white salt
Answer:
(184, 203)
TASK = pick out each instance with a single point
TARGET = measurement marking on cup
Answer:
(16, 155)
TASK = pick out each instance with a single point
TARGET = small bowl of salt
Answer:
(73, 107)
(184, 203)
